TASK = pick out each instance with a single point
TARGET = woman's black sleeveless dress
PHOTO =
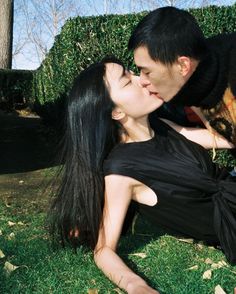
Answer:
(195, 198)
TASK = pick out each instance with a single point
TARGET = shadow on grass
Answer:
(136, 241)
(25, 144)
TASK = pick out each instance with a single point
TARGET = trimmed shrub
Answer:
(84, 40)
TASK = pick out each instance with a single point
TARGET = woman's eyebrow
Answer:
(123, 73)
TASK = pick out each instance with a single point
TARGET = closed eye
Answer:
(129, 82)
(127, 76)
(143, 71)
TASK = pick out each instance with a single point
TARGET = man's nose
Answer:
(143, 80)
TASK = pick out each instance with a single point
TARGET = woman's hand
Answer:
(118, 194)
(140, 289)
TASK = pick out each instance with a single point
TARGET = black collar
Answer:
(207, 84)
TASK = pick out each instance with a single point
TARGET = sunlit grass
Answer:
(167, 263)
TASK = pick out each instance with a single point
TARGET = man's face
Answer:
(162, 80)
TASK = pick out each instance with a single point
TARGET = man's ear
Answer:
(117, 114)
(185, 65)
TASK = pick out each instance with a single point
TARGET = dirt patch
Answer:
(27, 162)
(25, 144)
(27, 191)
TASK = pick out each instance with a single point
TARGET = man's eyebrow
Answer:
(141, 67)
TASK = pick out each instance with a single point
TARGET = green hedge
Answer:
(215, 20)
(15, 88)
(84, 40)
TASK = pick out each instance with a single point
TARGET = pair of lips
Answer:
(155, 94)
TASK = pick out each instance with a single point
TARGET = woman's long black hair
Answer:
(90, 135)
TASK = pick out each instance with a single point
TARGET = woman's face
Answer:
(127, 93)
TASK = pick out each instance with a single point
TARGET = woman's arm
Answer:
(208, 138)
(117, 199)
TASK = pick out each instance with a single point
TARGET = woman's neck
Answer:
(136, 131)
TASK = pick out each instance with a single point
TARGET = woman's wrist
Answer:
(134, 283)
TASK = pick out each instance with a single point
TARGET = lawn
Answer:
(169, 264)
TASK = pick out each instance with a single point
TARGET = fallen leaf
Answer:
(207, 275)
(8, 267)
(11, 224)
(194, 267)
(93, 291)
(189, 241)
(208, 261)
(142, 255)
(219, 264)
(219, 290)
(200, 246)
(11, 236)
(0, 232)
(7, 204)
(20, 223)
(2, 255)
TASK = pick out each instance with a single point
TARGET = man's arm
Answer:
(205, 137)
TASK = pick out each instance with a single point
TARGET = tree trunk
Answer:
(6, 33)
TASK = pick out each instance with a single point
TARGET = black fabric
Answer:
(195, 198)
(174, 113)
(213, 75)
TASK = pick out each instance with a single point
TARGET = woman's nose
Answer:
(136, 80)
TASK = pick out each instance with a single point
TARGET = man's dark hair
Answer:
(169, 32)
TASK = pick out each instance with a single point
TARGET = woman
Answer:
(116, 152)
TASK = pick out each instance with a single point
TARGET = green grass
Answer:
(165, 264)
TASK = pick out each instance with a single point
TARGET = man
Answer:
(179, 65)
